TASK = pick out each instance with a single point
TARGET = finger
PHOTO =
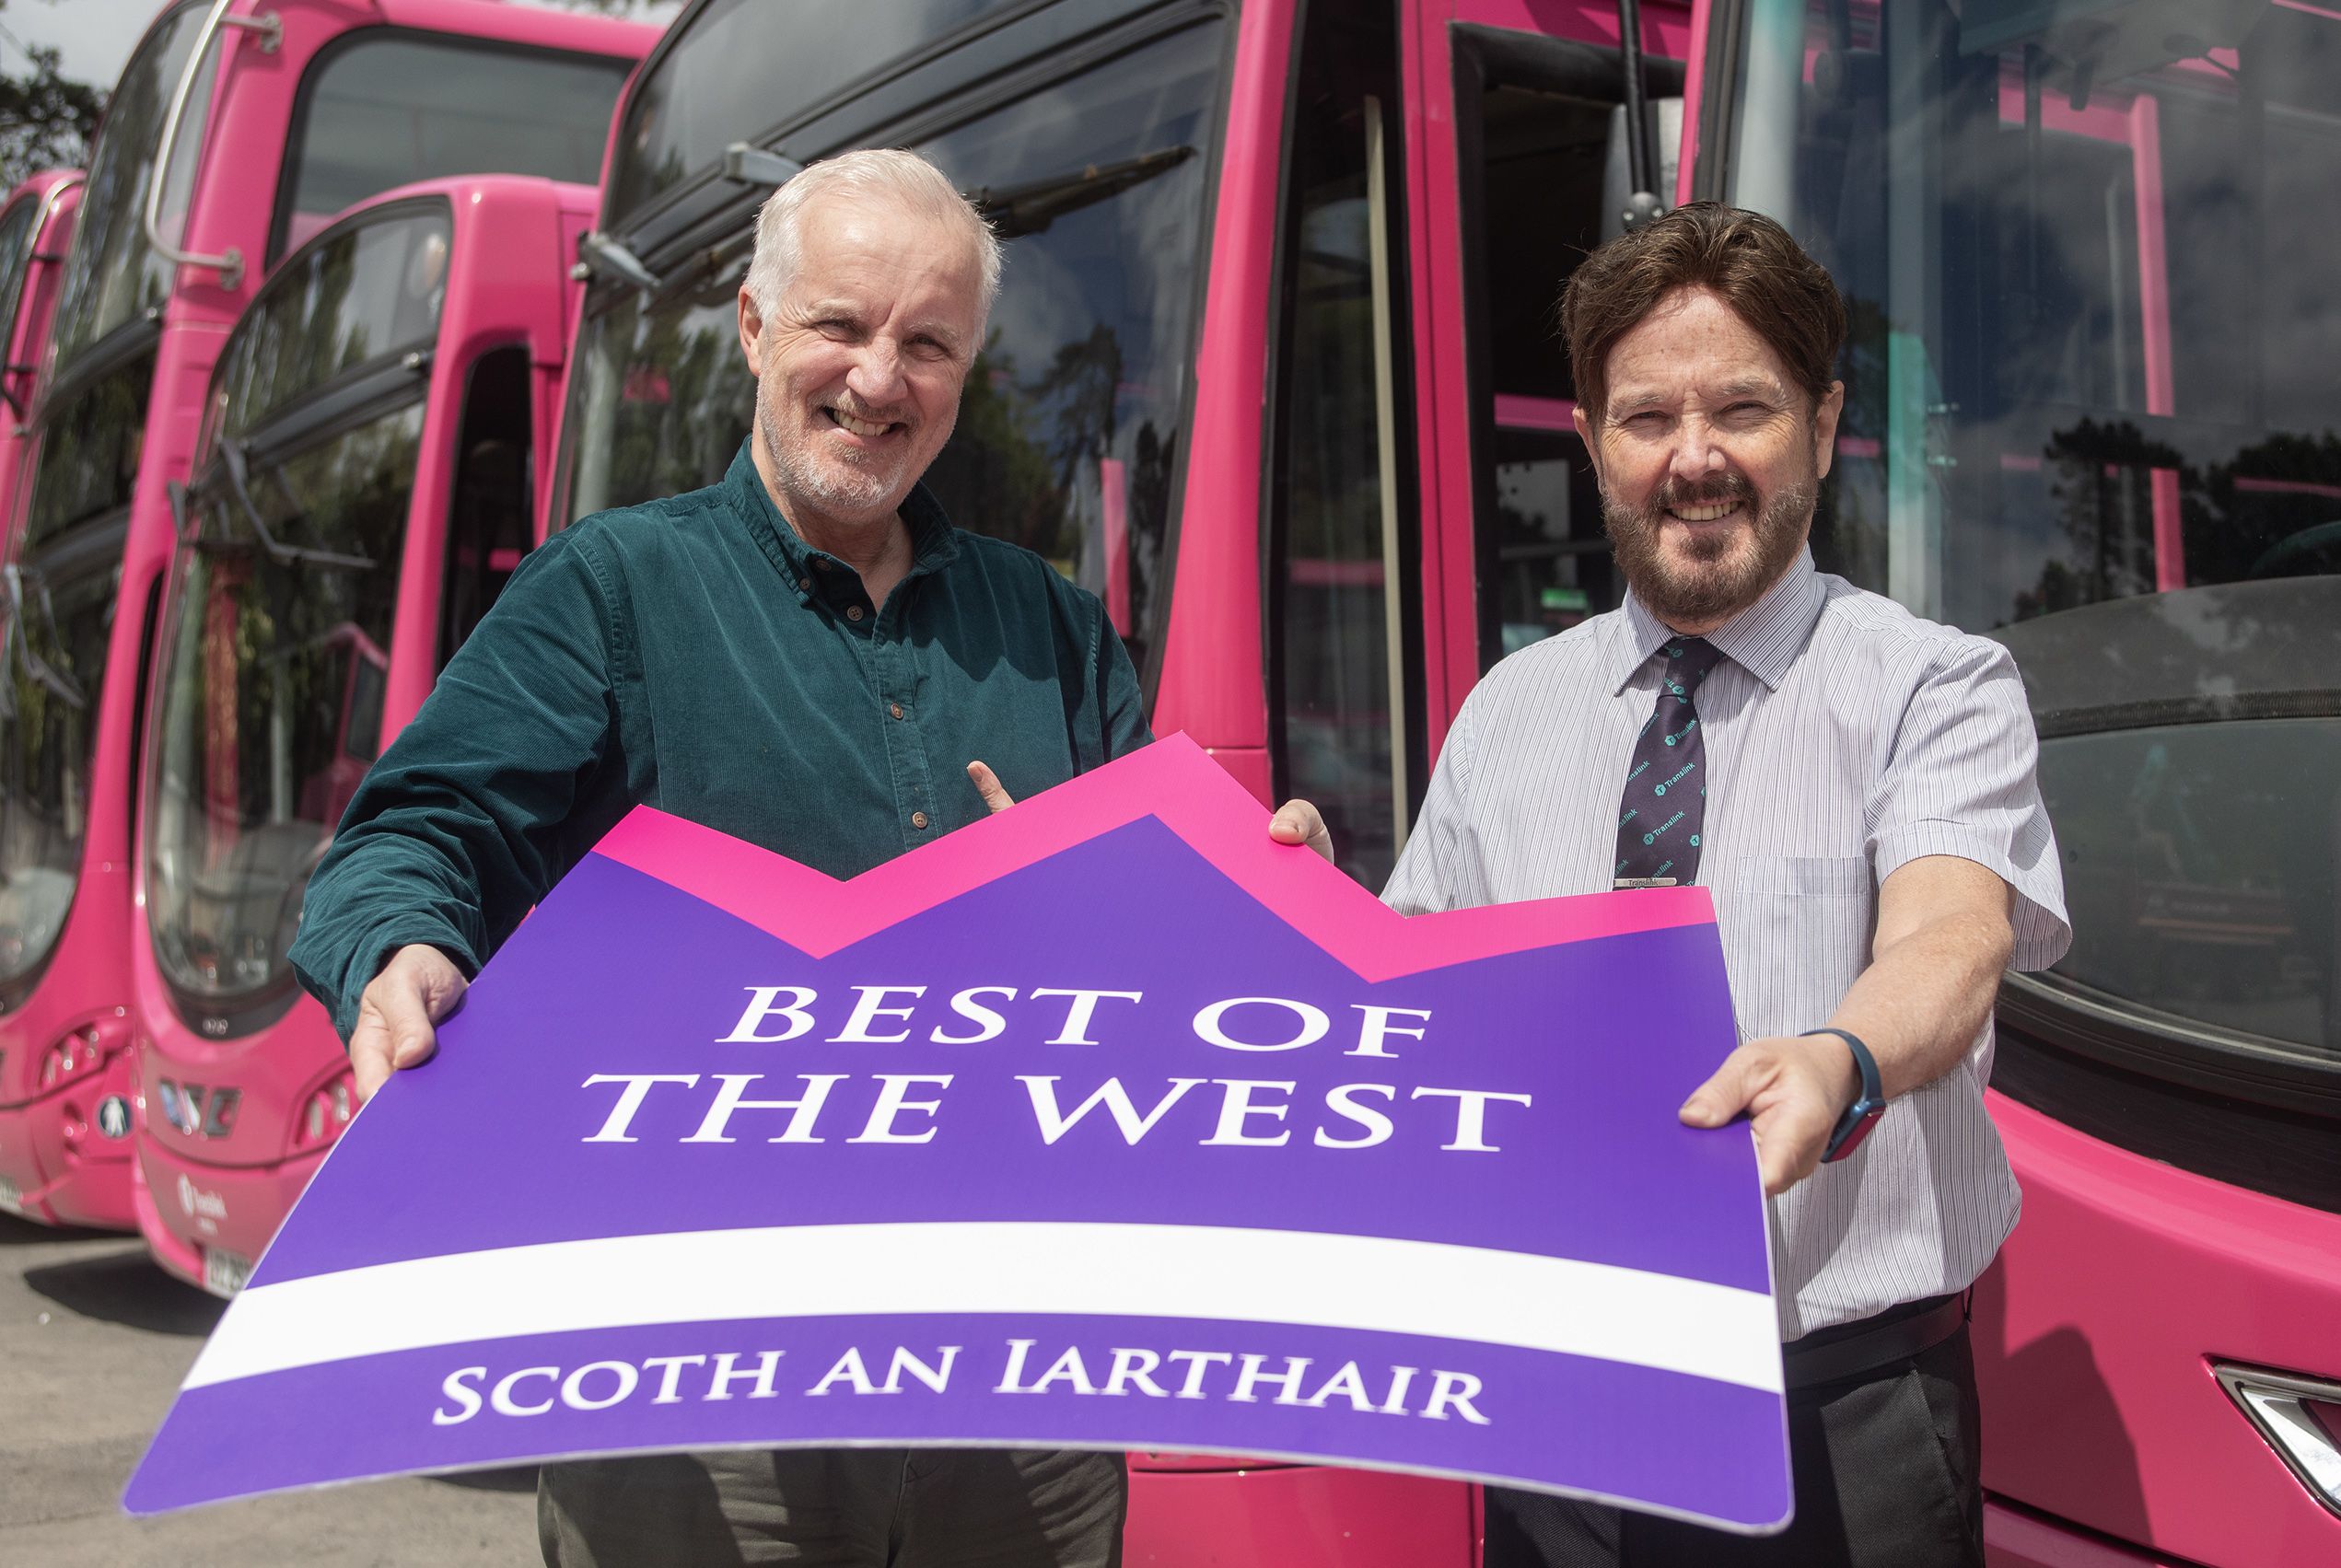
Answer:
(1725, 1095)
(1788, 1149)
(369, 1058)
(1298, 822)
(406, 1021)
(987, 784)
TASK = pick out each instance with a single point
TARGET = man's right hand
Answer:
(398, 1015)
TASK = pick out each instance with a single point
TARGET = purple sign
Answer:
(1106, 1122)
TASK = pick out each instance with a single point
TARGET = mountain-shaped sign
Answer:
(1105, 1122)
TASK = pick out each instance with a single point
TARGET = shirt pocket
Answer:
(1806, 875)
(1796, 933)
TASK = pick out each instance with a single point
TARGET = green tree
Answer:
(46, 120)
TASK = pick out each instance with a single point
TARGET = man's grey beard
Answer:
(848, 502)
(1717, 591)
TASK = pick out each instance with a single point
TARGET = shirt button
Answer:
(895, 709)
(820, 564)
(804, 585)
(852, 612)
(918, 818)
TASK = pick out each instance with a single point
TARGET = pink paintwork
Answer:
(507, 284)
(2095, 1335)
(241, 137)
(55, 197)
(1213, 684)
(1172, 782)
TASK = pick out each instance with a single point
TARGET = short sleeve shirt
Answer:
(1845, 737)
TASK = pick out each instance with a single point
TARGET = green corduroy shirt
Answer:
(695, 655)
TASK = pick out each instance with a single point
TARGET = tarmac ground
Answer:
(94, 1340)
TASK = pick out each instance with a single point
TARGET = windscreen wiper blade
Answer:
(1030, 207)
(233, 463)
(18, 641)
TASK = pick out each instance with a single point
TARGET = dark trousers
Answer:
(835, 1508)
(1888, 1468)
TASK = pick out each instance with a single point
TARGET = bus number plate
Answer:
(224, 1272)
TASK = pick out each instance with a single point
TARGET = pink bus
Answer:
(36, 224)
(238, 129)
(365, 478)
(2092, 412)
(1273, 372)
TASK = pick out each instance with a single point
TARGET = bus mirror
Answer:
(748, 165)
(1619, 210)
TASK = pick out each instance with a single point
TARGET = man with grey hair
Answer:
(807, 655)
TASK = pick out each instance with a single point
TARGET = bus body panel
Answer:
(2097, 1331)
(1211, 670)
(243, 126)
(56, 195)
(506, 285)
(1303, 1516)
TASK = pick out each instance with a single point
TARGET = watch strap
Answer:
(1859, 1117)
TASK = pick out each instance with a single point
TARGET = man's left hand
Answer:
(1793, 1090)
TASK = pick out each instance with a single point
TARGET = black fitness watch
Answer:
(1863, 1113)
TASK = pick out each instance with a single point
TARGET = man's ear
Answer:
(1825, 428)
(752, 333)
(1585, 434)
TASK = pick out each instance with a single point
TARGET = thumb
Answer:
(997, 800)
(1723, 1096)
(406, 1021)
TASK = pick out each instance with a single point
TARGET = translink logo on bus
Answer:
(1104, 1122)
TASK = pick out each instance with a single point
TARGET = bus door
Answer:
(1523, 168)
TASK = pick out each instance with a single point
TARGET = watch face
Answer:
(1868, 1112)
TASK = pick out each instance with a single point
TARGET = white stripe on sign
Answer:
(1116, 1270)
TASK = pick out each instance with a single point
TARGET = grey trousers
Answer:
(836, 1508)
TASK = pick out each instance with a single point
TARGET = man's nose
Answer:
(877, 374)
(1696, 456)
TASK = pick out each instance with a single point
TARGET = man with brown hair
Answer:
(1856, 786)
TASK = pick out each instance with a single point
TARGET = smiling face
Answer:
(858, 367)
(1710, 457)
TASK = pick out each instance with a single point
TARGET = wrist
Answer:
(1862, 1098)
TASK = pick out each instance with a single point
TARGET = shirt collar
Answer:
(933, 542)
(1762, 639)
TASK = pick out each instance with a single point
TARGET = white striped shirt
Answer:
(1845, 737)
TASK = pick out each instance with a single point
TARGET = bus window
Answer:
(270, 669)
(728, 78)
(385, 108)
(1067, 428)
(114, 277)
(265, 720)
(55, 620)
(89, 448)
(2091, 410)
(1333, 529)
(488, 513)
(1540, 123)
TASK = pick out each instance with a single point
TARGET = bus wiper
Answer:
(1030, 207)
(232, 462)
(19, 642)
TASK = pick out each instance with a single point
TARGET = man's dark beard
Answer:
(1718, 591)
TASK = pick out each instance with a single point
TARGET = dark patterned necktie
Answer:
(1662, 816)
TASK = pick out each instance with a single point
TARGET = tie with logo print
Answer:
(1663, 814)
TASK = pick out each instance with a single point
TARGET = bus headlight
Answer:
(2300, 1418)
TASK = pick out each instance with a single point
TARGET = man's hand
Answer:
(1297, 822)
(997, 798)
(1794, 1090)
(398, 1017)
